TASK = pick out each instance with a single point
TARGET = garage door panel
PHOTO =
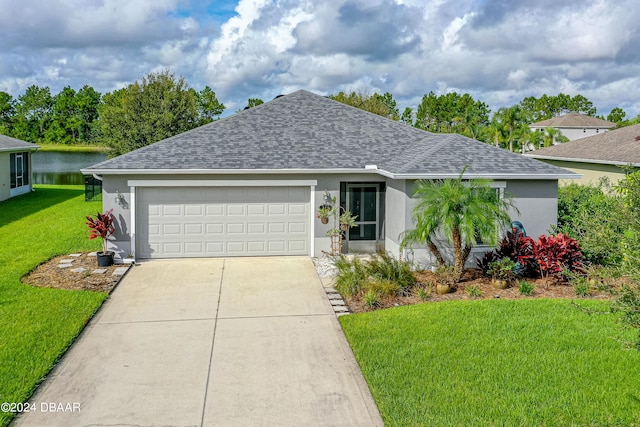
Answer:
(214, 210)
(224, 221)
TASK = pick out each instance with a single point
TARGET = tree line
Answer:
(508, 127)
(161, 105)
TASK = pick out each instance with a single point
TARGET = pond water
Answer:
(62, 168)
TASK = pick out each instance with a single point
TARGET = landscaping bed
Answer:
(482, 289)
(84, 274)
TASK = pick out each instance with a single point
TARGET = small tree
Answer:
(103, 226)
(463, 211)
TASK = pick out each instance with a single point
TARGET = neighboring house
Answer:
(251, 183)
(574, 125)
(15, 166)
(596, 156)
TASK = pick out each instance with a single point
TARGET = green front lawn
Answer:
(497, 363)
(36, 324)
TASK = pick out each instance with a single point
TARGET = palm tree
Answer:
(463, 211)
(553, 135)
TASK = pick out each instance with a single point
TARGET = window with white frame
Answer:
(19, 169)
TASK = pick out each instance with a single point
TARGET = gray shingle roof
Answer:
(10, 144)
(574, 120)
(304, 131)
(619, 146)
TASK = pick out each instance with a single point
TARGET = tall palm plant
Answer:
(464, 212)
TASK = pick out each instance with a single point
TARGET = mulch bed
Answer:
(544, 288)
(50, 275)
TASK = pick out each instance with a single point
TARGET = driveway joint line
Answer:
(213, 340)
(157, 321)
(275, 316)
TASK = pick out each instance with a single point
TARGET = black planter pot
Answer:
(105, 259)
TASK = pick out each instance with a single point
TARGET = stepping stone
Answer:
(99, 271)
(120, 271)
(334, 296)
(66, 261)
(92, 254)
(330, 290)
(340, 309)
(65, 265)
(75, 255)
(79, 270)
(337, 303)
(342, 314)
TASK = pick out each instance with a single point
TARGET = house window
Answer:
(19, 169)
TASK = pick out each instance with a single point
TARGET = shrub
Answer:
(525, 288)
(582, 288)
(474, 291)
(423, 292)
(553, 253)
(519, 249)
(384, 266)
(446, 275)
(352, 276)
(596, 217)
(516, 247)
(382, 274)
(483, 262)
(371, 299)
(628, 303)
(501, 269)
(383, 286)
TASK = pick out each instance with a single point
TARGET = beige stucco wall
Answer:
(591, 172)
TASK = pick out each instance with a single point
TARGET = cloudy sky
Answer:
(499, 51)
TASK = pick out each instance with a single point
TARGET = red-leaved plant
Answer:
(554, 253)
(102, 226)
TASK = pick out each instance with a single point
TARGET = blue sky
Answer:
(498, 51)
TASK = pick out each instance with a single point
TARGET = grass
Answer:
(37, 324)
(498, 363)
(73, 148)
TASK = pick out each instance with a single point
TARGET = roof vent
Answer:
(638, 138)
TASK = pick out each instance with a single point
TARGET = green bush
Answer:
(352, 276)
(595, 217)
(382, 275)
(371, 299)
(384, 266)
(526, 288)
(474, 291)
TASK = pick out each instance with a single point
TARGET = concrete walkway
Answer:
(210, 342)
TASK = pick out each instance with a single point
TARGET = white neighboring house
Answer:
(15, 166)
(574, 125)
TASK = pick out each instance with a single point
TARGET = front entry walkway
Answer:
(210, 342)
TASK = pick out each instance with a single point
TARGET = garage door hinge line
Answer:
(213, 340)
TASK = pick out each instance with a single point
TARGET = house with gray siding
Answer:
(15, 167)
(250, 184)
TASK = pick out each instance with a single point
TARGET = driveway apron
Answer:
(210, 342)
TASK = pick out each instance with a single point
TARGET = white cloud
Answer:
(499, 52)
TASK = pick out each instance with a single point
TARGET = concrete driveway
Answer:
(210, 342)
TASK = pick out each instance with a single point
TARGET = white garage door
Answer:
(180, 222)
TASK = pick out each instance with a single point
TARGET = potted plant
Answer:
(324, 212)
(103, 226)
(445, 279)
(347, 221)
(501, 272)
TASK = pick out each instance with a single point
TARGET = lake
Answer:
(62, 168)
